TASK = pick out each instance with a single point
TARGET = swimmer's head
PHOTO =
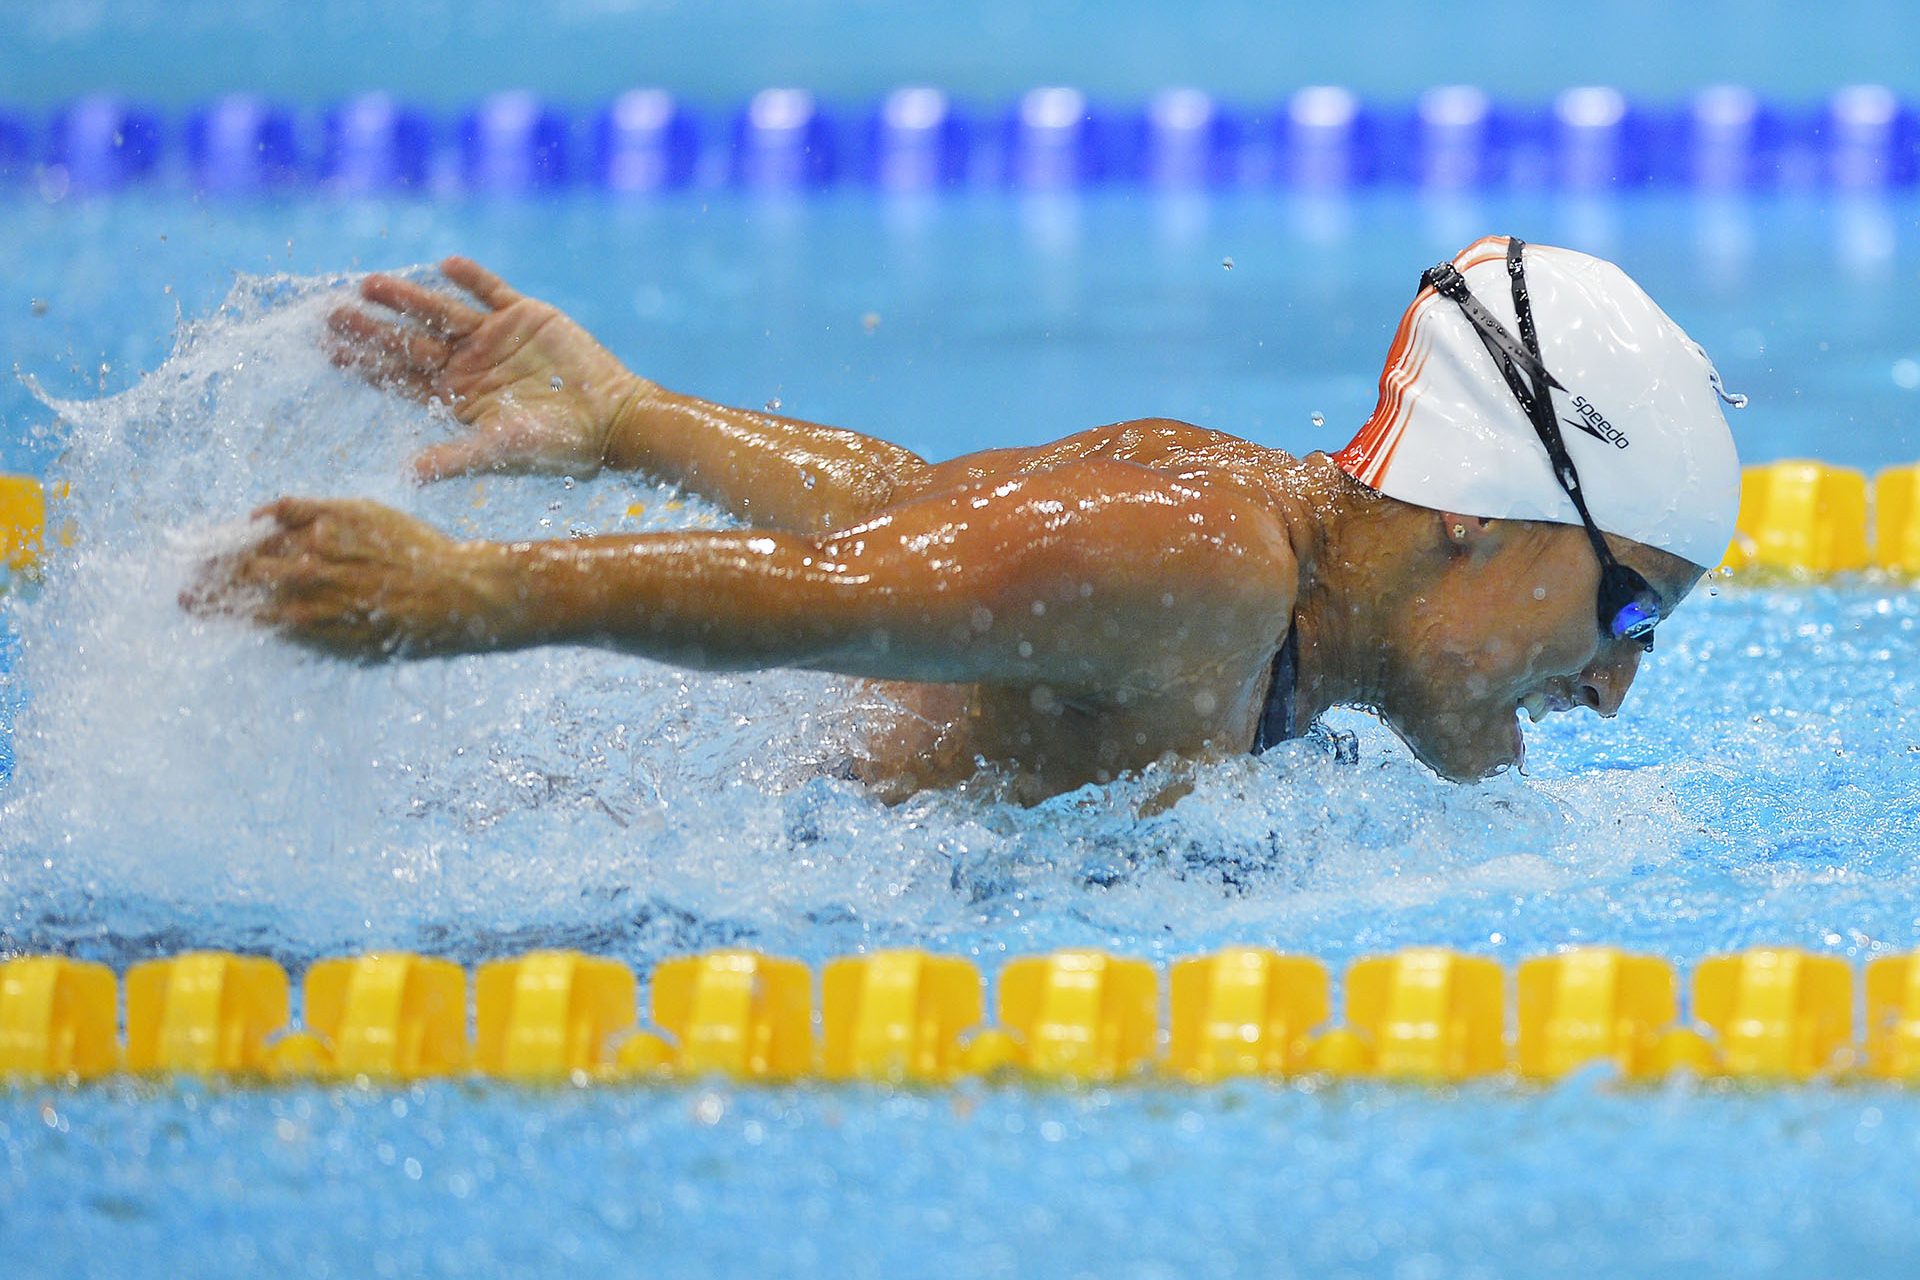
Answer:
(1555, 454)
(1636, 401)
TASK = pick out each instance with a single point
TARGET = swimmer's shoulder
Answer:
(1149, 441)
(1193, 453)
(1160, 444)
(1179, 449)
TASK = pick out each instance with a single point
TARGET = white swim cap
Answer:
(1640, 409)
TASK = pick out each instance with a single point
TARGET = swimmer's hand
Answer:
(362, 581)
(536, 392)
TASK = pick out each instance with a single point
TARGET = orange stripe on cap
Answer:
(1354, 459)
(1367, 455)
(1485, 249)
(1402, 413)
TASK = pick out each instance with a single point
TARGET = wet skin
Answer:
(1064, 612)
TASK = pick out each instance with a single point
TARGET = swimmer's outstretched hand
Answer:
(359, 580)
(537, 393)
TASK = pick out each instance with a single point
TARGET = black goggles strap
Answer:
(1525, 375)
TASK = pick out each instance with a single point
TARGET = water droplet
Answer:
(1226, 264)
(1733, 398)
(1317, 418)
(39, 306)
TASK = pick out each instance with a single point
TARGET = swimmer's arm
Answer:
(782, 473)
(768, 471)
(534, 392)
(1101, 580)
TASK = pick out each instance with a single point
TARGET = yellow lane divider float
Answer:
(1423, 1015)
(23, 517)
(1796, 517)
(1808, 517)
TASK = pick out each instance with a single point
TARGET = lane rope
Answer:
(1771, 1015)
(1317, 138)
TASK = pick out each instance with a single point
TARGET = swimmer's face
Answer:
(1508, 627)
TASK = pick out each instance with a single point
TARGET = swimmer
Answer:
(1546, 476)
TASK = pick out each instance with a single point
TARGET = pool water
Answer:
(178, 51)
(183, 784)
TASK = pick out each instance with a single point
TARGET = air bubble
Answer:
(557, 383)
(1317, 418)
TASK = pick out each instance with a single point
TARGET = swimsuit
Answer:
(1276, 717)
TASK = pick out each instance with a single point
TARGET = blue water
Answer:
(1149, 1183)
(185, 784)
(444, 51)
(999, 319)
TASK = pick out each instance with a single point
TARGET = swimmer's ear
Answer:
(1463, 534)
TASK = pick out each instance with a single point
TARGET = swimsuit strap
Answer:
(1276, 717)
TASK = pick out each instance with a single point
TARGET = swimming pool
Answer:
(181, 786)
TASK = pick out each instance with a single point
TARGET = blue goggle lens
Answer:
(1635, 621)
(1629, 606)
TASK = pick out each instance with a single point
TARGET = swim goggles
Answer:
(1628, 607)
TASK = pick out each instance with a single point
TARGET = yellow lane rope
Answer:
(1773, 1014)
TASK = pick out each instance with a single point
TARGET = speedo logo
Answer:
(1595, 424)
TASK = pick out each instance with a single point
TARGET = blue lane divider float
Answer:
(374, 143)
(784, 139)
(16, 146)
(918, 140)
(644, 140)
(1328, 139)
(1319, 138)
(1729, 140)
(513, 142)
(1191, 140)
(100, 143)
(242, 143)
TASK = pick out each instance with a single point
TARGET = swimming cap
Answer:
(1640, 409)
